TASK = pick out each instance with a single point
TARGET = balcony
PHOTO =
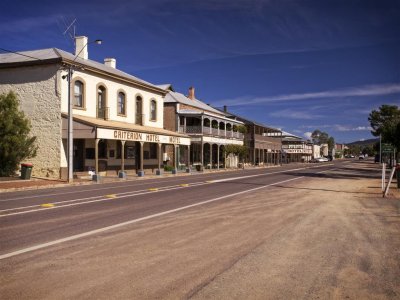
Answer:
(210, 132)
(103, 113)
(138, 119)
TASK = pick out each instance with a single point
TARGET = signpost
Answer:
(387, 148)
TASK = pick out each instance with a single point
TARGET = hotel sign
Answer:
(123, 135)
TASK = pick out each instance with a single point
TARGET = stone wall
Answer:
(170, 117)
(36, 88)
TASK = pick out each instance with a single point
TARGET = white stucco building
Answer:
(295, 149)
(117, 118)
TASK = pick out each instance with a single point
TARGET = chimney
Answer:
(191, 93)
(110, 62)
(81, 49)
(225, 108)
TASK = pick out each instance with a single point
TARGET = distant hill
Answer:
(364, 143)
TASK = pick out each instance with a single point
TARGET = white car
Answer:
(322, 159)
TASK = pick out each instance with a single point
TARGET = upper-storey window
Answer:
(138, 117)
(78, 93)
(121, 104)
(153, 110)
(102, 111)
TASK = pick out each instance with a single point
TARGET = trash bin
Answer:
(398, 176)
(26, 171)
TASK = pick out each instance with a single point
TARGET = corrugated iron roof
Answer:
(43, 55)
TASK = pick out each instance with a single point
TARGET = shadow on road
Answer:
(325, 190)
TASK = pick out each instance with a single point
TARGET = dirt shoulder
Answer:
(330, 236)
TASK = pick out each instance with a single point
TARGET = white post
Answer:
(380, 149)
(70, 131)
(389, 182)
(383, 176)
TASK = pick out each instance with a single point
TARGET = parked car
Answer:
(322, 159)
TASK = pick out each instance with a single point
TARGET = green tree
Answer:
(242, 129)
(15, 142)
(238, 150)
(319, 137)
(331, 143)
(385, 122)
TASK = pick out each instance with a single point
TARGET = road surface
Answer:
(303, 231)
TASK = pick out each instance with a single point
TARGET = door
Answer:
(79, 148)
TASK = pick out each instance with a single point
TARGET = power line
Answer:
(19, 53)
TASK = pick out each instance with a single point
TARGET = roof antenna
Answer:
(71, 28)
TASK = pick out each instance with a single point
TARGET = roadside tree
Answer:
(385, 122)
(15, 142)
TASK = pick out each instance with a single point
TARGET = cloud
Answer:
(343, 128)
(307, 134)
(293, 114)
(338, 127)
(27, 24)
(360, 91)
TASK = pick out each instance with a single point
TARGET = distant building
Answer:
(262, 141)
(316, 151)
(295, 149)
(324, 150)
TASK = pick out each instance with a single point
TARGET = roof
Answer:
(53, 55)
(167, 87)
(286, 136)
(174, 97)
(250, 121)
(122, 125)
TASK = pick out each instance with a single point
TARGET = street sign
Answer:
(387, 148)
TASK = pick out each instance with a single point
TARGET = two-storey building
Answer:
(118, 120)
(295, 149)
(263, 142)
(210, 130)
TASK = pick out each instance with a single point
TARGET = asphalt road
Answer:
(316, 231)
(32, 218)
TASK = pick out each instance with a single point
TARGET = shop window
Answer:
(153, 151)
(90, 153)
(102, 149)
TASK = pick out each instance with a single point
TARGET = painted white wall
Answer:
(316, 151)
(112, 88)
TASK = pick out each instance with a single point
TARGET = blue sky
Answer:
(296, 65)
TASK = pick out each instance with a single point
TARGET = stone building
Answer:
(210, 130)
(263, 142)
(118, 119)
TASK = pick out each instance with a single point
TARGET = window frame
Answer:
(83, 93)
(138, 98)
(153, 101)
(123, 113)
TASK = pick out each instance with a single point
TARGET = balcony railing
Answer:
(210, 131)
(138, 119)
(103, 113)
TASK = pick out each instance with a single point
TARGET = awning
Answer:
(92, 128)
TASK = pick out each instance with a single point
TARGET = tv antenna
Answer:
(71, 27)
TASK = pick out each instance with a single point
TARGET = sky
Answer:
(294, 65)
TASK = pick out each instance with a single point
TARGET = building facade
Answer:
(118, 119)
(210, 130)
(263, 142)
(295, 149)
